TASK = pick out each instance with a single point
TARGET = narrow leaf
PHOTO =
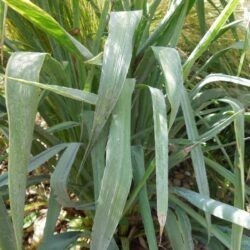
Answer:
(7, 238)
(161, 154)
(209, 36)
(76, 94)
(60, 241)
(48, 24)
(59, 177)
(216, 208)
(139, 171)
(37, 160)
(22, 102)
(179, 230)
(172, 72)
(239, 171)
(192, 131)
(118, 172)
(116, 60)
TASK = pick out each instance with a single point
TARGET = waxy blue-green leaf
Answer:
(179, 230)
(192, 132)
(161, 154)
(37, 160)
(216, 208)
(22, 103)
(139, 172)
(116, 60)
(60, 241)
(48, 24)
(59, 178)
(7, 238)
(117, 175)
(212, 78)
(209, 36)
(3, 13)
(172, 69)
(239, 170)
(76, 94)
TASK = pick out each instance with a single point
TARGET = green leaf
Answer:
(3, 13)
(7, 238)
(117, 174)
(221, 236)
(216, 208)
(116, 60)
(209, 36)
(60, 241)
(53, 212)
(220, 78)
(192, 132)
(37, 160)
(161, 154)
(59, 178)
(239, 171)
(48, 24)
(172, 72)
(76, 94)
(139, 171)
(22, 103)
(179, 230)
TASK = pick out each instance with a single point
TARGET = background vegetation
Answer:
(124, 124)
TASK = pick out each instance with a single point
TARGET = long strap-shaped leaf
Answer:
(22, 102)
(173, 79)
(7, 239)
(76, 94)
(116, 60)
(37, 160)
(217, 208)
(239, 179)
(139, 172)
(3, 13)
(59, 178)
(212, 78)
(196, 153)
(179, 230)
(45, 22)
(118, 172)
(209, 36)
(161, 154)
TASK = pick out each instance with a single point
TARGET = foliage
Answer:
(124, 109)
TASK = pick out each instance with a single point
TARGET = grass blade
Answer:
(76, 94)
(7, 238)
(37, 160)
(200, 6)
(139, 171)
(172, 72)
(22, 103)
(221, 236)
(54, 209)
(212, 78)
(3, 13)
(48, 24)
(116, 60)
(196, 152)
(239, 187)
(117, 174)
(59, 178)
(209, 37)
(161, 154)
(179, 230)
(60, 241)
(216, 208)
